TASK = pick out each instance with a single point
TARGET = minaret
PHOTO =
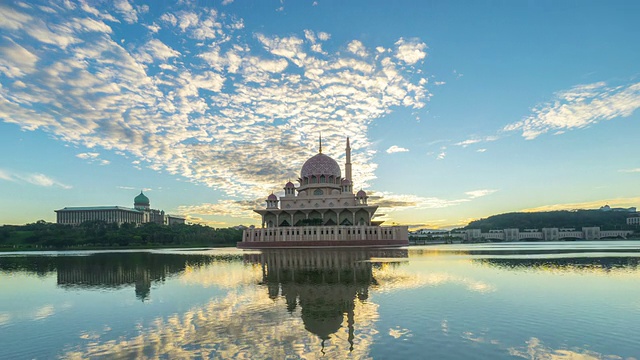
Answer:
(347, 165)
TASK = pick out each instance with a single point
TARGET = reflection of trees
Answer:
(324, 283)
(107, 270)
(579, 264)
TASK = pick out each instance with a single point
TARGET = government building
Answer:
(321, 211)
(141, 213)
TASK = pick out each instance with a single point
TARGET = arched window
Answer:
(322, 179)
(314, 180)
(317, 192)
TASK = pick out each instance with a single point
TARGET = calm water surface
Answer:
(577, 300)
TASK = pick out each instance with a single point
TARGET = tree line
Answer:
(100, 234)
(606, 220)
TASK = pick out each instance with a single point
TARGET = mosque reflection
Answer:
(324, 283)
(108, 270)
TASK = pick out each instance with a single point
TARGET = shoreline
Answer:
(141, 247)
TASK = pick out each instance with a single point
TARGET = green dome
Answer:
(141, 200)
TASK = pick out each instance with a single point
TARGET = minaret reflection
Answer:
(324, 283)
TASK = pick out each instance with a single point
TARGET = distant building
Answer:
(545, 234)
(140, 214)
(634, 219)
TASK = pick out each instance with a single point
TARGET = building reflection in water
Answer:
(108, 270)
(573, 264)
(324, 283)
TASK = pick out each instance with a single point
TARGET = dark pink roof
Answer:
(320, 164)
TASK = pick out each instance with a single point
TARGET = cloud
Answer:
(636, 170)
(233, 208)
(4, 175)
(390, 202)
(240, 115)
(476, 140)
(12, 19)
(93, 158)
(479, 193)
(156, 50)
(441, 155)
(324, 36)
(410, 51)
(357, 48)
(129, 14)
(87, 155)
(31, 178)
(396, 149)
(579, 107)
(16, 61)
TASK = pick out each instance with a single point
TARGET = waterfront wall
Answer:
(325, 233)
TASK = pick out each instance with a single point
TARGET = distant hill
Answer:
(606, 220)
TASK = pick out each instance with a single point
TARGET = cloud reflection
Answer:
(43, 312)
(534, 349)
(256, 319)
(246, 324)
(5, 319)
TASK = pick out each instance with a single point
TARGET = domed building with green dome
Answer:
(141, 213)
(322, 211)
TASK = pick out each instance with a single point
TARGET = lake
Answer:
(566, 300)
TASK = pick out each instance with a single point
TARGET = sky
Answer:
(455, 110)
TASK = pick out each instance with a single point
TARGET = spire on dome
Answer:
(320, 143)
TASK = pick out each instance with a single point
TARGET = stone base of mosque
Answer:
(323, 244)
(324, 236)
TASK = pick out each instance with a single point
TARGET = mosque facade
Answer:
(321, 211)
(141, 213)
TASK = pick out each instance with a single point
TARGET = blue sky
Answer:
(456, 110)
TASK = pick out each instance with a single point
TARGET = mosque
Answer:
(322, 211)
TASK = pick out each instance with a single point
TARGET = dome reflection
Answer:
(324, 283)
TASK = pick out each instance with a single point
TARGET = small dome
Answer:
(345, 182)
(361, 193)
(289, 185)
(320, 164)
(141, 200)
(272, 197)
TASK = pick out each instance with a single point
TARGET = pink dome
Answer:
(272, 197)
(361, 193)
(289, 185)
(320, 164)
